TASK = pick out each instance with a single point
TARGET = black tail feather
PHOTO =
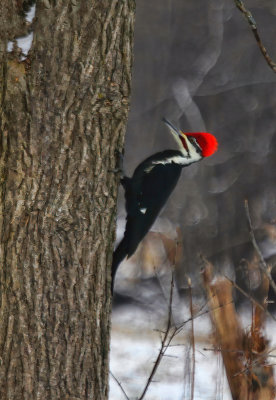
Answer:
(119, 254)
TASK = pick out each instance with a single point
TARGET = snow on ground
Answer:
(135, 342)
(134, 347)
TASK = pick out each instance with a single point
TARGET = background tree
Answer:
(63, 116)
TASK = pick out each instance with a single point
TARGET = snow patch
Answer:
(24, 42)
(9, 46)
(131, 362)
(30, 14)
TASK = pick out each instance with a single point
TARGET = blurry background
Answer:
(198, 64)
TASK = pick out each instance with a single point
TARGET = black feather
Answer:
(145, 194)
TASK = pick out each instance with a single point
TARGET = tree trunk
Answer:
(63, 116)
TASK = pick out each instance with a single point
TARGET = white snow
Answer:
(31, 14)
(9, 46)
(24, 42)
(134, 347)
(135, 343)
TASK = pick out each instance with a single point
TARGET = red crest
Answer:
(207, 142)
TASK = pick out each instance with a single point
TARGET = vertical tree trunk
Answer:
(63, 116)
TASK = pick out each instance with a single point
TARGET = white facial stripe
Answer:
(179, 142)
(143, 210)
(181, 160)
(194, 155)
(191, 155)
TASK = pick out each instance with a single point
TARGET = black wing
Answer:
(146, 193)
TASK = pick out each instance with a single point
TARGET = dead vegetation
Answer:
(245, 352)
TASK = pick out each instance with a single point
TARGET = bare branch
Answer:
(264, 267)
(192, 339)
(249, 17)
(120, 385)
(215, 349)
(164, 344)
(200, 314)
(167, 338)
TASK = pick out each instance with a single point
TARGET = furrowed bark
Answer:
(63, 116)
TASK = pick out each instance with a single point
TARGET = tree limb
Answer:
(249, 17)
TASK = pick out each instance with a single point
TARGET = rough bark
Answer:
(63, 116)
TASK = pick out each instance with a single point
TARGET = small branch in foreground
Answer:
(192, 339)
(200, 314)
(249, 17)
(167, 338)
(214, 349)
(164, 344)
(120, 385)
(264, 267)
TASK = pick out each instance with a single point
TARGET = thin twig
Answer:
(120, 385)
(200, 315)
(164, 345)
(263, 264)
(250, 297)
(167, 339)
(165, 342)
(249, 17)
(223, 350)
(253, 363)
(192, 339)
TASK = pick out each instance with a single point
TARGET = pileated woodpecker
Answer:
(152, 183)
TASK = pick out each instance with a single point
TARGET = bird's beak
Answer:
(178, 134)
